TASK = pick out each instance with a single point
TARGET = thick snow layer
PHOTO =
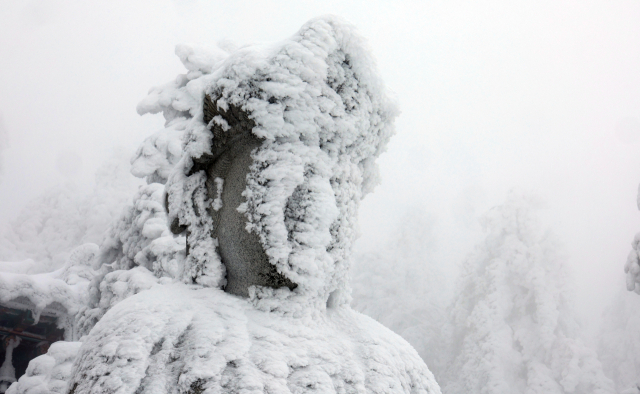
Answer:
(42, 290)
(65, 291)
(20, 267)
(324, 116)
(49, 373)
(110, 289)
(188, 339)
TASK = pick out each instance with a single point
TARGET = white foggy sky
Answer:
(493, 95)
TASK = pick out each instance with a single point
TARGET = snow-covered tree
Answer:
(514, 329)
(401, 286)
(63, 217)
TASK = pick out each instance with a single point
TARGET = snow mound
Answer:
(42, 290)
(48, 373)
(20, 267)
(186, 339)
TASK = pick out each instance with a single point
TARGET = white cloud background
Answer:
(542, 95)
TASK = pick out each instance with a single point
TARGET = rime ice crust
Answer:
(198, 340)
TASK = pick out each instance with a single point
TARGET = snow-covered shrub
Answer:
(323, 118)
(514, 329)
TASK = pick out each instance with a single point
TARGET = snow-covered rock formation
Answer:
(281, 139)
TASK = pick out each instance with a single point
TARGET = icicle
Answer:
(7, 371)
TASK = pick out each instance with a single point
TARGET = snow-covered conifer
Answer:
(514, 330)
(63, 217)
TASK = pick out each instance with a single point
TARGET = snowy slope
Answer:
(176, 338)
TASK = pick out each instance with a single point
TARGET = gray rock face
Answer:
(242, 254)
